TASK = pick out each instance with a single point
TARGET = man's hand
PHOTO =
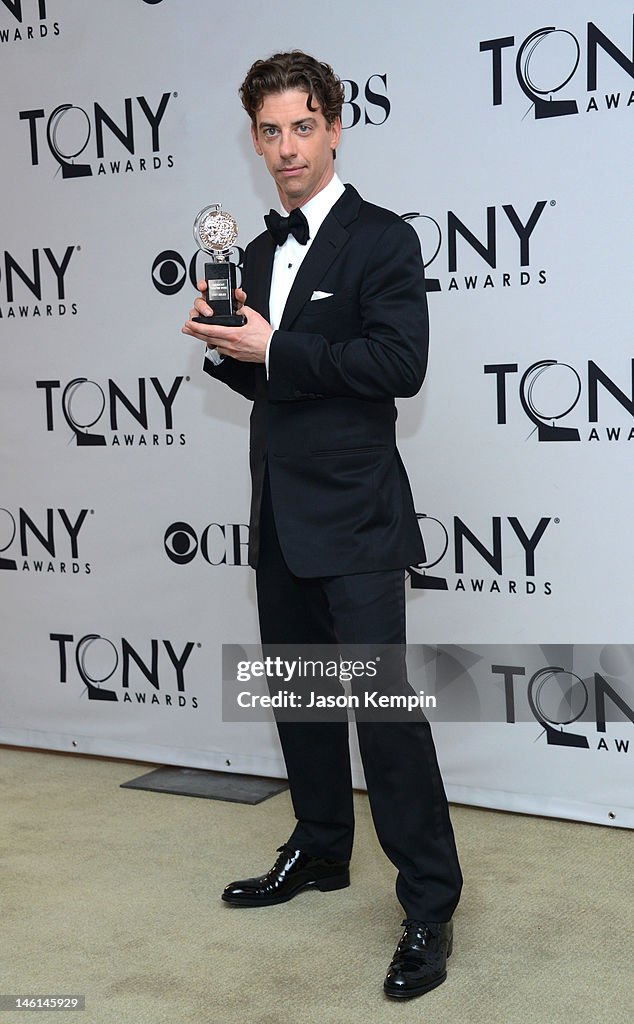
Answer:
(246, 344)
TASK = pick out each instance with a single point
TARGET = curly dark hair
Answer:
(293, 70)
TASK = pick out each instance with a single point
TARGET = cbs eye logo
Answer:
(218, 544)
(181, 543)
(170, 271)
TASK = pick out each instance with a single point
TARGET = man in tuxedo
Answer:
(336, 329)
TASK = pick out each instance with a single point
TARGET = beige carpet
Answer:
(114, 894)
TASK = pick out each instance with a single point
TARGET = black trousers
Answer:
(405, 789)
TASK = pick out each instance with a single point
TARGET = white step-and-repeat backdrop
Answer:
(505, 133)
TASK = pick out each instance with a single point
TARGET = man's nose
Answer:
(288, 146)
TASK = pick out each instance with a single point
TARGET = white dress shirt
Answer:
(288, 257)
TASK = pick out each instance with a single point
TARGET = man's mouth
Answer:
(290, 171)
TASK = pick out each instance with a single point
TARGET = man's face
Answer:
(297, 145)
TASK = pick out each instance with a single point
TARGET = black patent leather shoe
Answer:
(292, 872)
(420, 960)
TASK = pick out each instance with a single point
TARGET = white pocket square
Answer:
(320, 295)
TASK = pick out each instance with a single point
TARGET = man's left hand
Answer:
(247, 344)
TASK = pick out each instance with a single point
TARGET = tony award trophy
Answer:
(215, 231)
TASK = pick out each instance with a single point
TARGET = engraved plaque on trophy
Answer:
(215, 232)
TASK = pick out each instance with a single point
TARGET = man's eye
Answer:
(269, 132)
(303, 129)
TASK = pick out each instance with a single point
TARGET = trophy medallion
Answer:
(215, 232)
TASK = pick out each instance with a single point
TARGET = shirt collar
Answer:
(317, 209)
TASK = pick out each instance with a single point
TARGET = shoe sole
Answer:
(322, 885)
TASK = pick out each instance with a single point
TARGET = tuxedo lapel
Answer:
(329, 241)
(259, 272)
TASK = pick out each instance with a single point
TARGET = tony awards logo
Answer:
(215, 231)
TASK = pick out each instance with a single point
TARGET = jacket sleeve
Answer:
(237, 375)
(389, 359)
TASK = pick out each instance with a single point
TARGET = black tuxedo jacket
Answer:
(324, 421)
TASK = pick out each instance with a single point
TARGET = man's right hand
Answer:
(200, 308)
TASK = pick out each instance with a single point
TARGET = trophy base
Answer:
(236, 320)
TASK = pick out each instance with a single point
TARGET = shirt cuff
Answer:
(266, 354)
(213, 355)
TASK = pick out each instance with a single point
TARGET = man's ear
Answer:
(335, 133)
(256, 144)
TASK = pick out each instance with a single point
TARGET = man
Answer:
(336, 329)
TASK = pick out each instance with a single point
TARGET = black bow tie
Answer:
(281, 227)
